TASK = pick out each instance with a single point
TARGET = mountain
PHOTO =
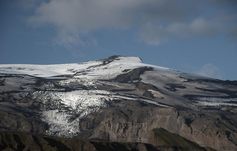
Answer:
(117, 103)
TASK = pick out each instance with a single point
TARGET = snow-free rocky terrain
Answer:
(118, 103)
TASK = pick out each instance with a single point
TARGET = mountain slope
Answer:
(24, 141)
(118, 99)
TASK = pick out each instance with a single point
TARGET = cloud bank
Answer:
(210, 70)
(156, 20)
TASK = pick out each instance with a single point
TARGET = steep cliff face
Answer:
(118, 99)
(205, 129)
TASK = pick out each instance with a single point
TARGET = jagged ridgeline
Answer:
(118, 103)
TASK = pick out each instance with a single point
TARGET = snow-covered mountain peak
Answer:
(119, 98)
(101, 69)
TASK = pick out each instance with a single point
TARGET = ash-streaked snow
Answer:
(85, 94)
(81, 103)
(65, 104)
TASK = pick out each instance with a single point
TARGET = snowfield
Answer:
(87, 70)
(68, 92)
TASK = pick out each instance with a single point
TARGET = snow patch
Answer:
(216, 104)
(215, 101)
(62, 121)
(59, 123)
(154, 103)
(156, 94)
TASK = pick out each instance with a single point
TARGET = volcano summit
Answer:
(117, 103)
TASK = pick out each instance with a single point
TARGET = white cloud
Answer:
(210, 70)
(83, 15)
(74, 40)
(94, 14)
(155, 34)
(73, 18)
(157, 20)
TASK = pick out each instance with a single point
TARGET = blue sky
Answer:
(187, 35)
